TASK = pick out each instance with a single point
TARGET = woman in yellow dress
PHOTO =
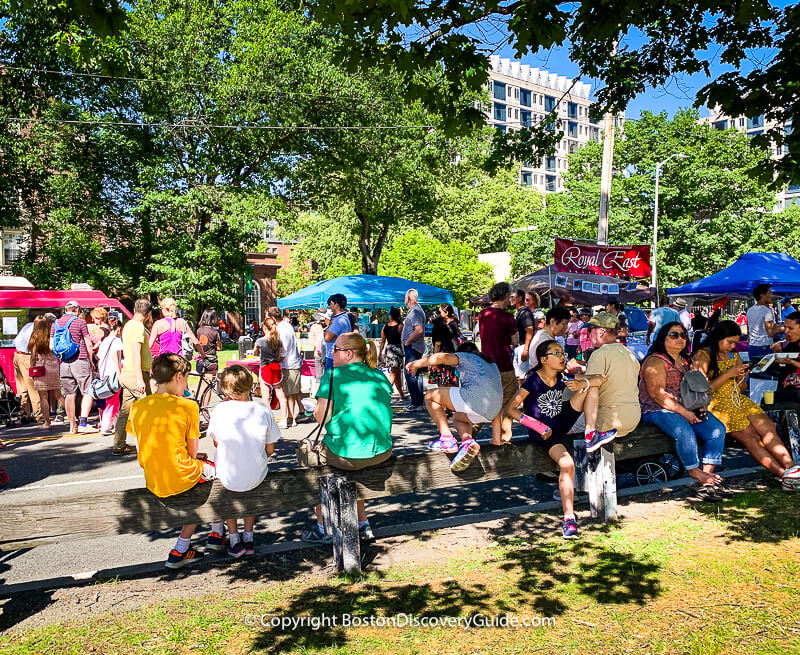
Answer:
(743, 419)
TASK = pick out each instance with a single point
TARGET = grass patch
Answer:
(705, 581)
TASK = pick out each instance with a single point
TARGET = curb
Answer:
(392, 531)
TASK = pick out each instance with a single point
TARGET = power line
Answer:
(203, 126)
(206, 85)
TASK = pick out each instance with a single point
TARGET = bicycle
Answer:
(204, 396)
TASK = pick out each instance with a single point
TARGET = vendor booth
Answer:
(583, 288)
(364, 291)
(740, 278)
(19, 306)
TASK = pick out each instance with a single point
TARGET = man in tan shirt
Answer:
(619, 395)
(135, 374)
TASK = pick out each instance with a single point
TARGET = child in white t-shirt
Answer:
(244, 433)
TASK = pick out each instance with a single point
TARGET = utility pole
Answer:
(605, 179)
(605, 176)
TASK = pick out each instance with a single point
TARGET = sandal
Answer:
(125, 450)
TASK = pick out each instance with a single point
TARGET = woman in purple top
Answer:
(168, 331)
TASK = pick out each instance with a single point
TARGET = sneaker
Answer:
(469, 448)
(597, 439)
(84, 429)
(569, 529)
(412, 408)
(283, 425)
(216, 541)
(58, 420)
(249, 547)
(125, 450)
(314, 536)
(365, 533)
(236, 551)
(176, 560)
(446, 443)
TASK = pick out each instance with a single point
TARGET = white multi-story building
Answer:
(753, 127)
(522, 96)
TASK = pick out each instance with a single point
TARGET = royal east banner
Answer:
(615, 261)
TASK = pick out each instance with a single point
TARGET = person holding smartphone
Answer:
(745, 420)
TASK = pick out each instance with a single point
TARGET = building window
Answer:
(525, 97)
(252, 304)
(572, 110)
(525, 118)
(550, 163)
(754, 133)
(502, 128)
(526, 178)
(594, 134)
(499, 91)
(499, 112)
(572, 130)
(550, 184)
(12, 247)
(720, 125)
(516, 114)
(755, 122)
(549, 103)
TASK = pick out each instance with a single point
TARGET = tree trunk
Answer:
(370, 255)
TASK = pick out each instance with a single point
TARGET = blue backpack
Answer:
(64, 346)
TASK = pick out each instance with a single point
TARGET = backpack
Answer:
(64, 346)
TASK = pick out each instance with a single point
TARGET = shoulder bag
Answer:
(107, 386)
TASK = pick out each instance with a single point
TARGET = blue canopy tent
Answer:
(364, 291)
(740, 278)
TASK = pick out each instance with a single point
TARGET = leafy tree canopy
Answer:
(626, 46)
(711, 211)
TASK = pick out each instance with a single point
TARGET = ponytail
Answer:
(372, 355)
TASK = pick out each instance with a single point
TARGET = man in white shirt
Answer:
(29, 397)
(291, 364)
(761, 325)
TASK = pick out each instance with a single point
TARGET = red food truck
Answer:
(19, 306)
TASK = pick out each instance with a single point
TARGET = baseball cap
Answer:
(785, 299)
(539, 314)
(114, 315)
(604, 320)
(585, 310)
(72, 304)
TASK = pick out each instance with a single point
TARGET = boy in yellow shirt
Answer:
(167, 430)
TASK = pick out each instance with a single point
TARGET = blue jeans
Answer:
(710, 431)
(414, 382)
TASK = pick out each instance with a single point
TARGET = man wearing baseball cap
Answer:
(75, 369)
(618, 410)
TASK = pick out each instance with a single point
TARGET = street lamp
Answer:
(654, 268)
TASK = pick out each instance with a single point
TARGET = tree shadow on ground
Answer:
(542, 575)
(760, 516)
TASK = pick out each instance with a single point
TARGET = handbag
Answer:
(695, 391)
(37, 371)
(443, 375)
(102, 388)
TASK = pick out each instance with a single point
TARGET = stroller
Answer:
(10, 407)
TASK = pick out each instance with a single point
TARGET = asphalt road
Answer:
(53, 465)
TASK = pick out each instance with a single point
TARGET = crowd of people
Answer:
(559, 372)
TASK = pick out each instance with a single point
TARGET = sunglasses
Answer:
(677, 335)
(336, 349)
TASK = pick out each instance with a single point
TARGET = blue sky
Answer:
(678, 93)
